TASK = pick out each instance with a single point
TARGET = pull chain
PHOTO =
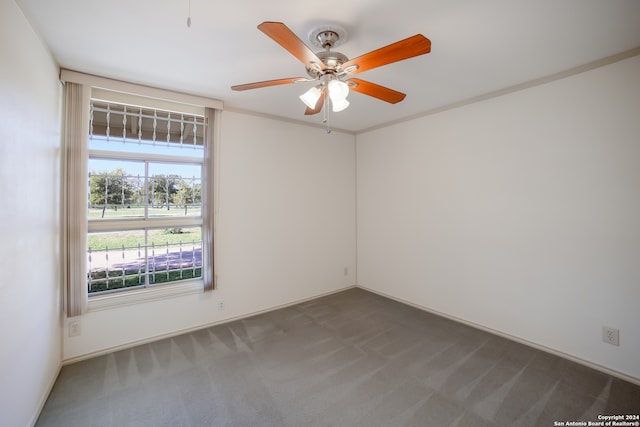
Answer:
(326, 111)
(189, 17)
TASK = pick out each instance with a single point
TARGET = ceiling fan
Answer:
(333, 69)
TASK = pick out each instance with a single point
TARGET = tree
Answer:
(111, 188)
(163, 190)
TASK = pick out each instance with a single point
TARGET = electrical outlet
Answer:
(611, 336)
(220, 305)
(346, 271)
(74, 328)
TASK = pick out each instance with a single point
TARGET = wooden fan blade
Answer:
(404, 49)
(267, 83)
(377, 91)
(318, 107)
(282, 35)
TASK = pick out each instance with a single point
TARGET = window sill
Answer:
(139, 296)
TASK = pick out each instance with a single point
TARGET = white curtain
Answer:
(208, 211)
(76, 133)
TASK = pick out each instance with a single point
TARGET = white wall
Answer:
(29, 216)
(286, 232)
(520, 213)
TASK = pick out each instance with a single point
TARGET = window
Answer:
(144, 201)
(138, 196)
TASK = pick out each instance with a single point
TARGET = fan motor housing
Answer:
(333, 62)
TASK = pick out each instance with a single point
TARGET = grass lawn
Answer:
(133, 280)
(131, 238)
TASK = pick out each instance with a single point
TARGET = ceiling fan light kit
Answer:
(310, 97)
(339, 105)
(338, 89)
(333, 69)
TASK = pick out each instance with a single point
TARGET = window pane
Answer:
(116, 189)
(121, 259)
(174, 254)
(175, 190)
(116, 260)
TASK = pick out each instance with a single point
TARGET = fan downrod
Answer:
(327, 39)
(333, 34)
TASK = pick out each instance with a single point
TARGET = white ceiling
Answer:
(478, 46)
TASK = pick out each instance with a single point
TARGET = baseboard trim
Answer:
(541, 347)
(192, 329)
